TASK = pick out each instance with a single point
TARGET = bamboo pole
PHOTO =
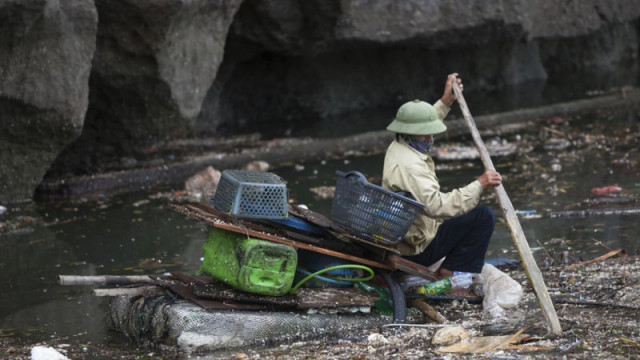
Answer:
(148, 290)
(530, 267)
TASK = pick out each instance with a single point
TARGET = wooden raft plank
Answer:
(333, 297)
(197, 213)
(411, 267)
(186, 292)
(303, 298)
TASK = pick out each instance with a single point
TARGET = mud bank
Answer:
(285, 151)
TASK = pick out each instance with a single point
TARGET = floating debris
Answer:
(141, 202)
(556, 166)
(324, 192)
(464, 152)
(594, 212)
(257, 165)
(613, 199)
(528, 214)
(556, 144)
(203, 184)
(18, 226)
(611, 189)
(449, 335)
(555, 120)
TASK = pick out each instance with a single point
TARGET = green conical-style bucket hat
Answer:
(417, 118)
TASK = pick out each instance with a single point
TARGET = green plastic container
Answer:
(251, 265)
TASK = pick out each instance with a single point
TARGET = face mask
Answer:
(421, 145)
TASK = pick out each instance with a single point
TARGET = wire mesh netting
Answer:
(165, 320)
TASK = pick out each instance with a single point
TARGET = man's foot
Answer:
(442, 273)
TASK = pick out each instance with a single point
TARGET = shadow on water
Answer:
(136, 233)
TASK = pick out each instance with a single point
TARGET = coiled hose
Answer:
(337, 267)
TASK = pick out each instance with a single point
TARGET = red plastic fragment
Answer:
(612, 189)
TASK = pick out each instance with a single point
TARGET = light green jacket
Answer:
(407, 169)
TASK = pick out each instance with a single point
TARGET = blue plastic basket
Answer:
(370, 211)
(252, 194)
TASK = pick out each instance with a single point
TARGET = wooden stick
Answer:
(428, 310)
(534, 163)
(530, 267)
(598, 259)
(560, 300)
(557, 132)
(602, 244)
(546, 252)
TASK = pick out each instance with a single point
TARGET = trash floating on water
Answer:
(556, 166)
(463, 152)
(612, 199)
(2, 209)
(555, 120)
(611, 189)
(141, 202)
(556, 144)
(257, 165)
(323, 192)
(594, 212)
(528, 214)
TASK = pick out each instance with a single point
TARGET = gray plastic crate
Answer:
(370, 211)
(252, 194)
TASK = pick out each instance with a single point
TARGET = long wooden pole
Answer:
(529, 263)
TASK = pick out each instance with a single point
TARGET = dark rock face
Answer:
(154, 63)
(46, 49)
(120, 76)
(309, 61)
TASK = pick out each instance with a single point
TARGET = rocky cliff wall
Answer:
(46, 49)
(94, 85)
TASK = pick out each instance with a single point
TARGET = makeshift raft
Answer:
(198, 313)
(334, 242)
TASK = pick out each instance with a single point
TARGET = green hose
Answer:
(337, 267)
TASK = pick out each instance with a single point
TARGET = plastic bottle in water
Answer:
(411, 281)
(385, 304)
(458, 280)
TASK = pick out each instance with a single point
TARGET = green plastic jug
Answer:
(248, 264)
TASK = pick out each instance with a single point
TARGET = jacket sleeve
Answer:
(439, 205)
(441, 109)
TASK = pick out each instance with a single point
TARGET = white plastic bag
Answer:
(500, 291)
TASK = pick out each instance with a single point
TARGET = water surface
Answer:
(136, 233)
